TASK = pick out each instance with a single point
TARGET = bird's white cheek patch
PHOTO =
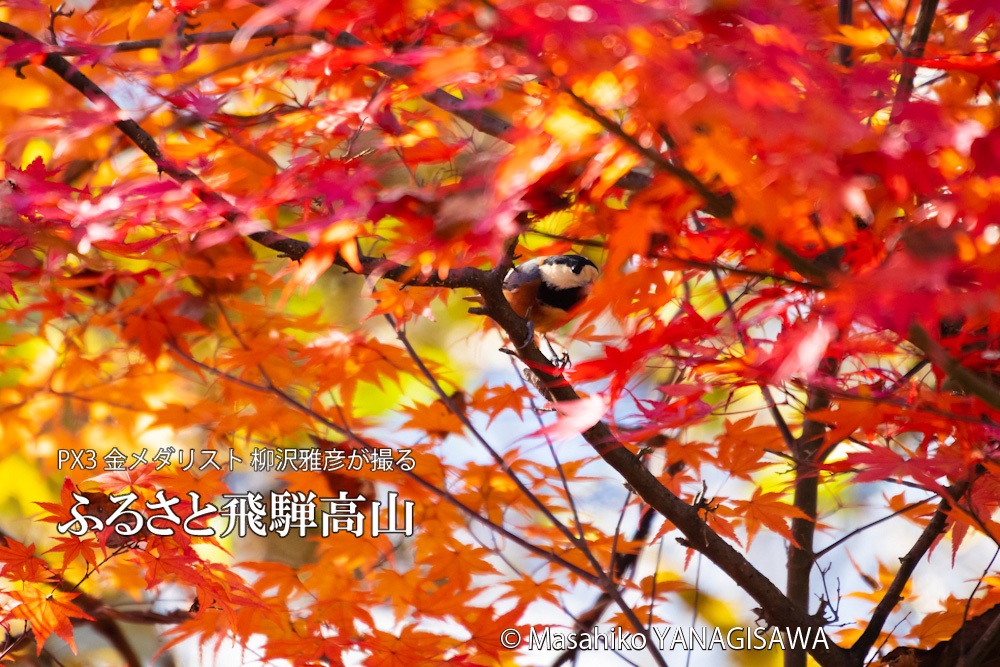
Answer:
(561, 276)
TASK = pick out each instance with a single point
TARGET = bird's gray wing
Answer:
(520, 275)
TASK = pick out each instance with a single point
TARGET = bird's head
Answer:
(562, 272)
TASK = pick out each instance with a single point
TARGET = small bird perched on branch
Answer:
(545, 289)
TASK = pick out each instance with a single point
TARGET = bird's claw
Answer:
(531, 336)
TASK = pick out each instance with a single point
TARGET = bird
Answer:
(544, 290)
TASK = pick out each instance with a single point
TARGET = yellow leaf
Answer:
(570, 126)
(861, 38)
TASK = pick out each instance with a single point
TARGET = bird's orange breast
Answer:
(524, 301)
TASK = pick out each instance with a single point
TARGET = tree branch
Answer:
(288, 247)
(777, 608)
(907, 564)
(800, 549)
(985, 645)
(720, 206)
(845, 16)
(653, 253)
(111, 631)
(349, 434)
(968, 380)
(914, 49)
(805, 452)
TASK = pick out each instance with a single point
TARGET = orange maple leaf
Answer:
(21, 563)
(151, 327)
(767, 509)
(487, 629)
(74, 547)
(47, 614)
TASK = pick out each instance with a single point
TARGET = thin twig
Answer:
(907, 564)
(720, 206)
(353, 437)
(865, 527)
(779, 420)
(968, 605)
(576, 541)
(548, 440)
(607, 583)
(885, 25)
(686, 261)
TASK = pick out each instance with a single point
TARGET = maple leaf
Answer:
(529, 589)
(768, 510)
(487, 629)
(47, 614)
(622, 363)
(409, 646)
(684, 406)
(576, 417)
(276, 575)
(494, 400)
(436, 419)
(406, 304)
(800, 350)
(60, 512)
(143, 476)
(882, 462)
(73, 547)
(743, 446)
(984, 66)
(10, 240)
(455, 563)
(442, 600)
(21, 563)
(764, 209)
(156, 324)
(7, 268)
(980, 12)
